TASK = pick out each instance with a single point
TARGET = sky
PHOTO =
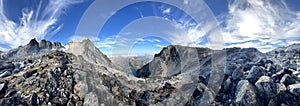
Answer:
(136, 27)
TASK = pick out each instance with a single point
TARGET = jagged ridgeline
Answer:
(46, 73)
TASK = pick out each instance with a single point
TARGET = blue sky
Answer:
(143, 27)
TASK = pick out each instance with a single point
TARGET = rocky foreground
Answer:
(45, 73)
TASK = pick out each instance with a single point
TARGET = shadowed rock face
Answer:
(31, 48)
(173, 60)
(45, 44)
(81, 75)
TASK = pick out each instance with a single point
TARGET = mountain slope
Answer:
(178, 75)
(88, 51)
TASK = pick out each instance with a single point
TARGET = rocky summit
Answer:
(46, 73)
(32, 48)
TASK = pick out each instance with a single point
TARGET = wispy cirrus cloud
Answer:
(156, 40)
(265, 24)
(149, 40)
(36, 21)
(160, 46)
(111, 42)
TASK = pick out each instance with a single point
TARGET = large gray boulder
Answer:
(5, 74)
(91, 99)
(294, 89)
(246, 94)
(6, 65)
(238, 73)
(287, 80)
(255, 73)
(81, 89)
(229, 68)
(266, 87)
(34, 100)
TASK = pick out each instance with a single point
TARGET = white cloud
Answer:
(140, 40)
(111, 42)
(158, 45)
(80, 38)
(103, 45)
(3, 49)
(185, 1)
(156, 40)
(140, 12)
(35, 22)
(150, 40)
(107, 43)
(250, 21)
(167, 11)
(190, 37)
(293, 42)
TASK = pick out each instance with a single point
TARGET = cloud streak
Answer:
(160, 46)
(37, 21)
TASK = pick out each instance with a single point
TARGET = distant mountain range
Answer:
(32, 48)
(131, 63)
(46, 73)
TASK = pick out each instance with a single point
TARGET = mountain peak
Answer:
(89, 51)
(176, 57)
(33, 47)
(33, 42)
(86, 41)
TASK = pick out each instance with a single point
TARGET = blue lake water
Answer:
(133, 73)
